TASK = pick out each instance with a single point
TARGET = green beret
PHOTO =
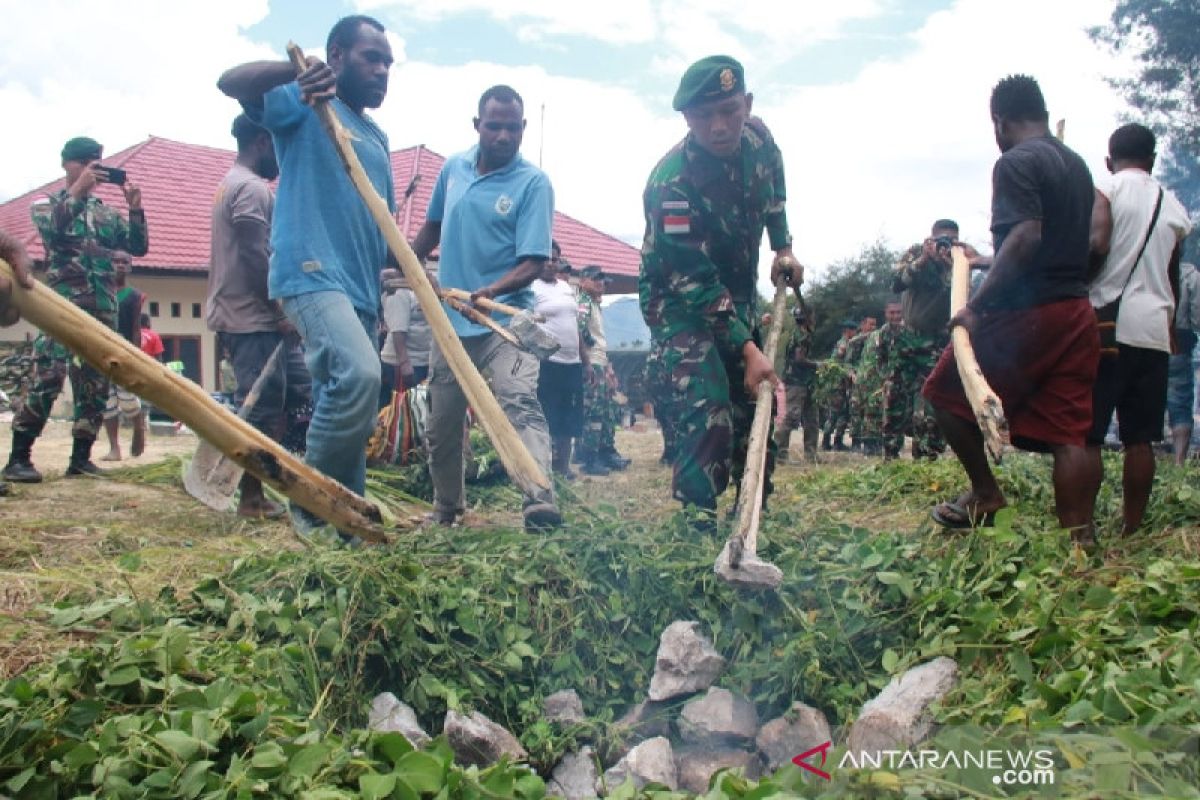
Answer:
(593, 272)
(711, 78)
(849, 323)
(81, 148)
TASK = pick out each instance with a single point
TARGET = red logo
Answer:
(802, 760)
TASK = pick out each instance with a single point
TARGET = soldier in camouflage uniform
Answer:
(854, 353)
(871, 376)
(79, 234)
(12, 252)
(799, 374)
(923, 279)
(833, 383)
(657, 383)
(596, 447)
(707, 203)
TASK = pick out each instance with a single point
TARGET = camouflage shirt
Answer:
(704, 223)
(798, 366)
(925, 291)
(79, 237)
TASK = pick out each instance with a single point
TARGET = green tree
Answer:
(852, 288)
(1162, 36)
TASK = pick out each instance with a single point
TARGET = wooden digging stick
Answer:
(479, 318)
(989, 411)
(184, 400)
(738, 561)
(521, 467)
(484, 302)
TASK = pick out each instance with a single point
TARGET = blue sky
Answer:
(879, 106)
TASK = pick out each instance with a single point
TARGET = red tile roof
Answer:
(179, 181)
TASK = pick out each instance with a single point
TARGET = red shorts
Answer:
(1041, 361)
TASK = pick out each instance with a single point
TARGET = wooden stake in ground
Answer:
(989, 411)
(738, 562)
(519, 464)
(184, 400)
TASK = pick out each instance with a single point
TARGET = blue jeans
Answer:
(339, 349)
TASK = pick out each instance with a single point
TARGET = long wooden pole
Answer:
(184, 400)
(519, 464)
(989, 411)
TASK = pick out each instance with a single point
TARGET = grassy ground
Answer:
(487, 617)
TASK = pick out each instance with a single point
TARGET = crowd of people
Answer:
(1083, 310)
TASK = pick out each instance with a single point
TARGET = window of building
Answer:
(176, 310)
(195, 311)
(154, 308)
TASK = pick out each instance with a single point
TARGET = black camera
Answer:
(112, 175)
(943, 242)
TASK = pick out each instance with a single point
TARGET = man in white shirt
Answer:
(1137, 236)
(560, 381)
(405, 351)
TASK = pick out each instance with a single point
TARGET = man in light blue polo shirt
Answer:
(491, 213)
(327, 250)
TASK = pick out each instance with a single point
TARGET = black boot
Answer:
(827, 441)
(81, 458)
(593, 466)
(20, 467)
(614, 460)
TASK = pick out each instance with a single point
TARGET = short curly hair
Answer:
(1019, 98)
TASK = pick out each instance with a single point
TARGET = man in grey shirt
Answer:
(405, 351)
(246, 321)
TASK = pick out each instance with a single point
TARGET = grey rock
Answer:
(388, 714)
(646, 720)
(797, 731)
(574, 778)
(696, 765)
(652, 761)
(718, 718)
(899, 716)
(477, 740)
(563, 707)
(686, 662)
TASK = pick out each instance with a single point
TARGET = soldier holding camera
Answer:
(80, 235)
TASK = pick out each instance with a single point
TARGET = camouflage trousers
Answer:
(714, 415)
(801, 411)
(905, 410)
(600, 417)
(53, 363)
(866, 412)
(657, 382)
(837, 417)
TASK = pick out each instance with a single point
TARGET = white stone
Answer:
(574, 778)
(696, 766)
(388, 714)
(477, 740)
(652, 761)
(797, 731)
(563, 707)
(899, 716)
(686, 662)
(718, 718)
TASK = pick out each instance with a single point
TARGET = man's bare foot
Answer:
(111, 455)
(260, 509)
(968, 511)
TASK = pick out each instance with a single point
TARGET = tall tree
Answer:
(852, 288)
(1164, 37)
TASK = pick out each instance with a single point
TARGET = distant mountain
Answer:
(624, 327)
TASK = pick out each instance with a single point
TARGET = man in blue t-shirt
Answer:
(491, 213)
(327, 250)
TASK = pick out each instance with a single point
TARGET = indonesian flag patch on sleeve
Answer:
(675, 217)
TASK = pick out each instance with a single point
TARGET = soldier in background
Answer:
(707, 203)
(597, 447)
(835, 390)
(874, 365)
(122, 403)
(80, 234)
(854, 354)
(799, 374)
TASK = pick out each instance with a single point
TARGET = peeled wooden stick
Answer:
(479, 318)
(184, 400)
(738, 561)
(485, 302)
(519, 464)
(989, 411)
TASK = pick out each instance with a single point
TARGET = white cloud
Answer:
(116, 70)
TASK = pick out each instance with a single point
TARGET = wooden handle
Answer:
(479, 318)
(484, 302)
(187, 402)
(517, 461)
(744, 540)
(989, 411)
